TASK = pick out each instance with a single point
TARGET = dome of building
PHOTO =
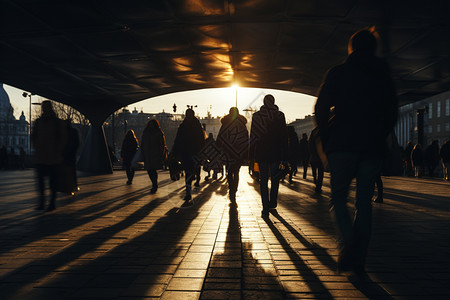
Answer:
(6, 110)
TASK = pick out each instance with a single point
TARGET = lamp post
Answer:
(25, 94)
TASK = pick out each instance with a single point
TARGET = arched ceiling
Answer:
(100, 55)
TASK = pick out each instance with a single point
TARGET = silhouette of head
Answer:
(269, 100)
(190, 113)
(233, 112)
(153, 123)
(47, 107)
(364, 41)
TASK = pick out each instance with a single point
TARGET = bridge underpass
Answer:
(102, 55)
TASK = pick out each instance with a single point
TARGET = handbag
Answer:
(138, 159)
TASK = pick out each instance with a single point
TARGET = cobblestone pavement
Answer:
(120, 242)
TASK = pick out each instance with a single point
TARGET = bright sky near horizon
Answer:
(218, 101)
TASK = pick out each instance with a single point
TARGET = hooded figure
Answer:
(233, 141)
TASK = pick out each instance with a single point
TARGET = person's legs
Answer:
(305, 169)
(446, 168)
(40, 174)
(275, 176)
(379, 184)
(367, 171)
(53, 174)
(342, 170)
(314, 167)
(263, 186)
(154, 179)
(130, 172)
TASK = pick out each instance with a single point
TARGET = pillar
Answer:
(94, 157)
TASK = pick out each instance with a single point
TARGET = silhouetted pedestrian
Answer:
(356, 110)
(316, 163)
(268, 147)
(407, 158)
(444, 153)
(432, 157)
(3, 157)
(129, 147)
(233, 141)
(22, 156)
(293, 150)
(417, 160)
(48, 137)
(153, 144)
(304, 154)
(189, 140)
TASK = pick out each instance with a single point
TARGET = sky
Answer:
(217, 101)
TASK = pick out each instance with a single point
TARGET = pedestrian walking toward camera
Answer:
(268, 148)
(417, 160)
(304, 154)
(355, 111)
(130, 145)
(153, 145)
(316, 163)
(49, 138)
(233, 141)
(189, 140)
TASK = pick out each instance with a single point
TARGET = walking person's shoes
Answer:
(153, 190)
(265, 215)
(378, 200)
(128, 182)
(187, 197)
(346, 258)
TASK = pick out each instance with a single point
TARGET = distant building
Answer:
(13, 133)
(436, 120)
(305, 125)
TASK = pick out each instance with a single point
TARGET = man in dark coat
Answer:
(189, 140)
(48, 137)
(268, 148)
(304, 153)
(233, 141)
(355, 111)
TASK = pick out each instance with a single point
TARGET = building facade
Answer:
(14, 134)
(436, 120)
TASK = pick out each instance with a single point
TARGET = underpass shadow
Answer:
(148, 254)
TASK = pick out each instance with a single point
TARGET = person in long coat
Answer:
(417, 160)
(189, 140)
(49, 138)
(130, 145)
(233, 141)
(153, 144)
(304, 154)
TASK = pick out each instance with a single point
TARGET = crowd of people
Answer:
(355, 112)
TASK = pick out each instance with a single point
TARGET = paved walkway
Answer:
(120, 242)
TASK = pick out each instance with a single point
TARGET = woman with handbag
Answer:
(153, 144)
(129, 147)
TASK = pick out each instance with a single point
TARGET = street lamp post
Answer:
(25, 94)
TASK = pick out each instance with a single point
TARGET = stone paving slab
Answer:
(115, 241)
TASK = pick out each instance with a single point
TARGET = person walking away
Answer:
(233, 141)
(153, 144)
(316, 163)
(432, 157)
(49, 138)
(293, 149)
(407, 158)
(444, 153)
(129, 147)
(268, 148)
(304, 154)
(189, 140)
(417, 160)
(355, 111)
(22, 156)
